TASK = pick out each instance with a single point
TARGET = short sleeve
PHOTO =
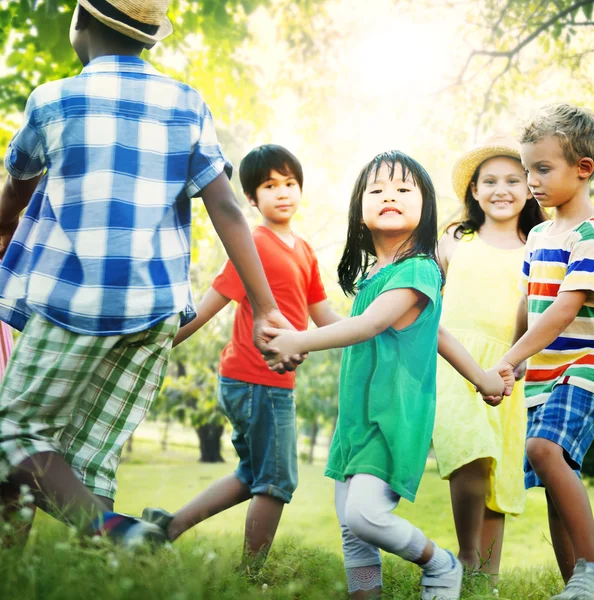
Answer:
(207, 160)
(25, 157)
(228, 283)
(316, 292)
(421, 274)
(580, 267)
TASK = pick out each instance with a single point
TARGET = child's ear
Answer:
(251, 200)
(473, 190)
(585, 167)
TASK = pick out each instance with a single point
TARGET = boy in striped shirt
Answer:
(555, 331)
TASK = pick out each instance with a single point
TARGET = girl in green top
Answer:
(387, 379)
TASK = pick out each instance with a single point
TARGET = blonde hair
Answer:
(572, 125)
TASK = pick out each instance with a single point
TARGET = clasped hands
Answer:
(490, 385)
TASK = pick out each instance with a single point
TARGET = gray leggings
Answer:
(364, 506)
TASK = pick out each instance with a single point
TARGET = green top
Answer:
(386, 404)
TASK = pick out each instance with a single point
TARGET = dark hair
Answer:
(474, 216)
(359, 250)
(255, 168)
(109, 34)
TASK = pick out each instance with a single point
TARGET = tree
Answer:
(204, 49)
(518, 45)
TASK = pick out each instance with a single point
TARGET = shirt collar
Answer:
(119, 64)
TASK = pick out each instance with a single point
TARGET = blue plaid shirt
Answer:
(104, 246)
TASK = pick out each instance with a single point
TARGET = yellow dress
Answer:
(479, 307)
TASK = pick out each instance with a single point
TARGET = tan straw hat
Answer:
(142, 20)
(498, 145)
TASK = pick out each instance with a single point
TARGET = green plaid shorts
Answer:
(81, 396)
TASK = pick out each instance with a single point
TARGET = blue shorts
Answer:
(566, 418)
(264, 435)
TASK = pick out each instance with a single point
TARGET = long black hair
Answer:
(359, 251)
(474, 216)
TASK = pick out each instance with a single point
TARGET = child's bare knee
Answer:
(542, 453)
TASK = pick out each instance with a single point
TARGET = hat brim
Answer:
(165, 29)
(465, 167)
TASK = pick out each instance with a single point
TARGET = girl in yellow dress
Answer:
(479, 448)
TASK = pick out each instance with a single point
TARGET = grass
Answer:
(305, 562)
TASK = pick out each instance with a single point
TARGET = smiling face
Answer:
(278, 197)
(391, 205)
(501, 189)
(552, 180)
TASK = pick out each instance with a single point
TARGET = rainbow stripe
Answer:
(553, 264)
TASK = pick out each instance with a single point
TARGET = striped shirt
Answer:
(560, 263)
(104, 246)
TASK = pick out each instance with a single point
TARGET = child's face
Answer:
(392, 206)
(278, 197)
(501, 188)
(79, 38)
(551, 179)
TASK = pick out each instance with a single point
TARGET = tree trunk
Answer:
(209, 436)
(129, 445)
(313, 436)
(165, 437)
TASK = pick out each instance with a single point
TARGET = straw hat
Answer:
(498, 145)
(142, 20)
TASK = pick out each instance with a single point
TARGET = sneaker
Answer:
(581, 584)
(142, 533)
(445, 586)
(158, 516)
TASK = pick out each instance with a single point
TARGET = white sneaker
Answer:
(446, 586)
(581, 584)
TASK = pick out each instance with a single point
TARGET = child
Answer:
(387, 380)
(483, 252)
(259, 402)
(554, 330)
(97, 272)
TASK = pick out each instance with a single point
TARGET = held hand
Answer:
(492, 387)
(283, 346)
(6, 232)
(520, 370)
(507, 372)
(272, 321)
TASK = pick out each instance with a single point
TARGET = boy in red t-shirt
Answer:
(260, 403)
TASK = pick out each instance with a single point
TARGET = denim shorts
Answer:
(264, 435)
(566, 418)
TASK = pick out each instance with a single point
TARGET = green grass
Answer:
(305, 562)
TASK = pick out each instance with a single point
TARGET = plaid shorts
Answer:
(81, 396)
(566, 418)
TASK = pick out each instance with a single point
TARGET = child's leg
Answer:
(261, 523)
(221, 495)
(362, 561)
(492, 542)
(58, 382)
(567, 493)
(468, 490)
(368, 515)
(561, 542)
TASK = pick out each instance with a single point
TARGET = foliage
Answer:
(588, 466)
(518, 45)
(204, 50)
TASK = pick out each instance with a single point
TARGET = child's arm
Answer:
(383, 312)
(211, 303)
(488, 383)
(547, 328)
(233, 230)
(520, 329)
(15, 197)
(322, 314)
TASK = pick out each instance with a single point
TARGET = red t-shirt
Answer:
(294, 278)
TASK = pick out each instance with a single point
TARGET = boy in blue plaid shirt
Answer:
(96, 272)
